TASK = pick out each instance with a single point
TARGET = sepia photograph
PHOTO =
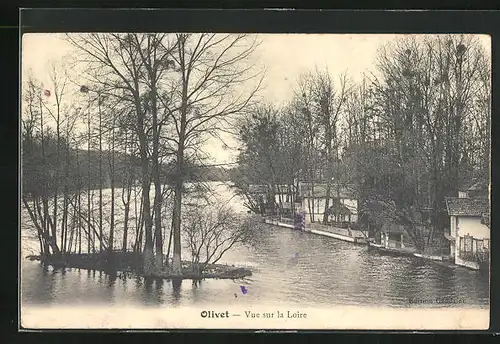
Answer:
(255, 181)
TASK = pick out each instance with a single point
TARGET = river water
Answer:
(288, 267)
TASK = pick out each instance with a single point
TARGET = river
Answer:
(288, 266)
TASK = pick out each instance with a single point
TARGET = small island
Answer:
(131, 263)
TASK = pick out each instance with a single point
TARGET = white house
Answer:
(343, 205)
(469, 234)
(284, 197)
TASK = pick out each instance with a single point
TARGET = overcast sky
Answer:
(285, 56)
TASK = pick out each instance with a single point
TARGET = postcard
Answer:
(177, 180)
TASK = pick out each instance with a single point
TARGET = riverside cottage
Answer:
(287, 200)
(343, 205)
(283, 204)
(469, 232)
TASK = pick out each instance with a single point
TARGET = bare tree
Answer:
(303, 101)
(211, 68)
(328, 101)
(56, 110)
(34, 186)
(155, 58)
(210, 232)
(128, 68)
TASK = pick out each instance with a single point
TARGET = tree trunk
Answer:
(112, 215)
(156, 180)
(176, 213)
(148, 253)
(64, 237)
(137, 219)
(100, 175)
(329, 173)
(56, 186)
(88, 187)
(40, 221)
(148, 246)
(176, 224)
(126, 202)
(79, 202)
(167, 255)
(45, 203)
(148, 258)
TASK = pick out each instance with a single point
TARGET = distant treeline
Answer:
(83, 169)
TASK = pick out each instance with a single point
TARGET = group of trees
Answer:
(405, 137)
(142, 109)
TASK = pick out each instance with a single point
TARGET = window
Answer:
(479, 245)
(466, 243)
(465, 251)
(482, 250)
(483, 244)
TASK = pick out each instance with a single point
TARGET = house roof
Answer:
(467, 206)
(352, 209)
(320, 190)
(263, 189)
(339, 209)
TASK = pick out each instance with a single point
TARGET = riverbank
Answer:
(411, 252)
(343, 234)
(357, 237)
(131, 262)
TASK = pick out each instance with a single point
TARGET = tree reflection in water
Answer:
(176, 289)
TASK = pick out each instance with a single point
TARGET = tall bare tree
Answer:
(327, 102)
(133, 65)
(212, 69)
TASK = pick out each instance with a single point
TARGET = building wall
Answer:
(453, 233)
(319, 207)
(283, 198)
(471, 265)
(472, 226)
(318, 217)
(469, 226)
(453, 226)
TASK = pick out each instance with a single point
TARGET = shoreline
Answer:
(438, 260)
(98, 262)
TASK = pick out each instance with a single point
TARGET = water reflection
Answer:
(176, 290)
(288, 267)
